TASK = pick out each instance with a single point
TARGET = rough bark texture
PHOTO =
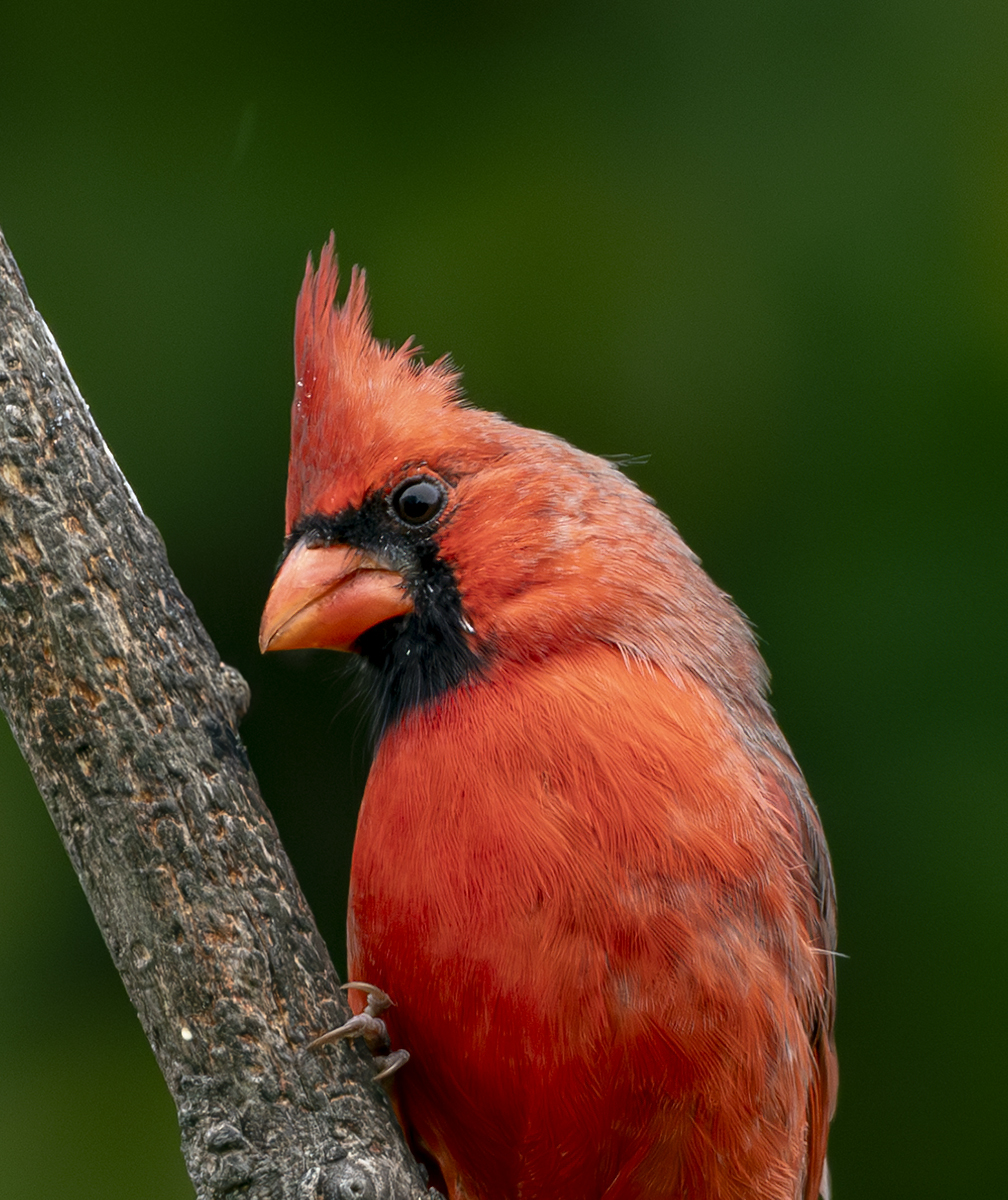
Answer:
(128, 720)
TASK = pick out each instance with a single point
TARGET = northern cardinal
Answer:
(587, 869)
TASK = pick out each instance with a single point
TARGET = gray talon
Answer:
(390, 1063)
(370, 1027)
(377, 1000)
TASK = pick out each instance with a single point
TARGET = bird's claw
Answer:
(368, 1025)
(377, 1000)
(371, 1029)
(390, 1063)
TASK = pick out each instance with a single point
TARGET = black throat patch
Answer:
(411, 660)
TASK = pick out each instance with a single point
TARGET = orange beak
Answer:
(327, 596)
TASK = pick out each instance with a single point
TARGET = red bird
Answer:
(587, 869)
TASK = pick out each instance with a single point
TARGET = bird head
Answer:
(437, 540)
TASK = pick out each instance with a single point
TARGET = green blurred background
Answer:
(766, 245)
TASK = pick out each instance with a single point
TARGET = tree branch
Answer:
(128, 720)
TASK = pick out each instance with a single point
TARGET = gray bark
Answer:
(128, 720)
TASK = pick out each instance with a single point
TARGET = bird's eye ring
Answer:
(418, 501)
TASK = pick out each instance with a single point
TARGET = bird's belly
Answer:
(595, 996)
(518, 1063)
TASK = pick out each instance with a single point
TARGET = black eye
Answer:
(418, 501)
